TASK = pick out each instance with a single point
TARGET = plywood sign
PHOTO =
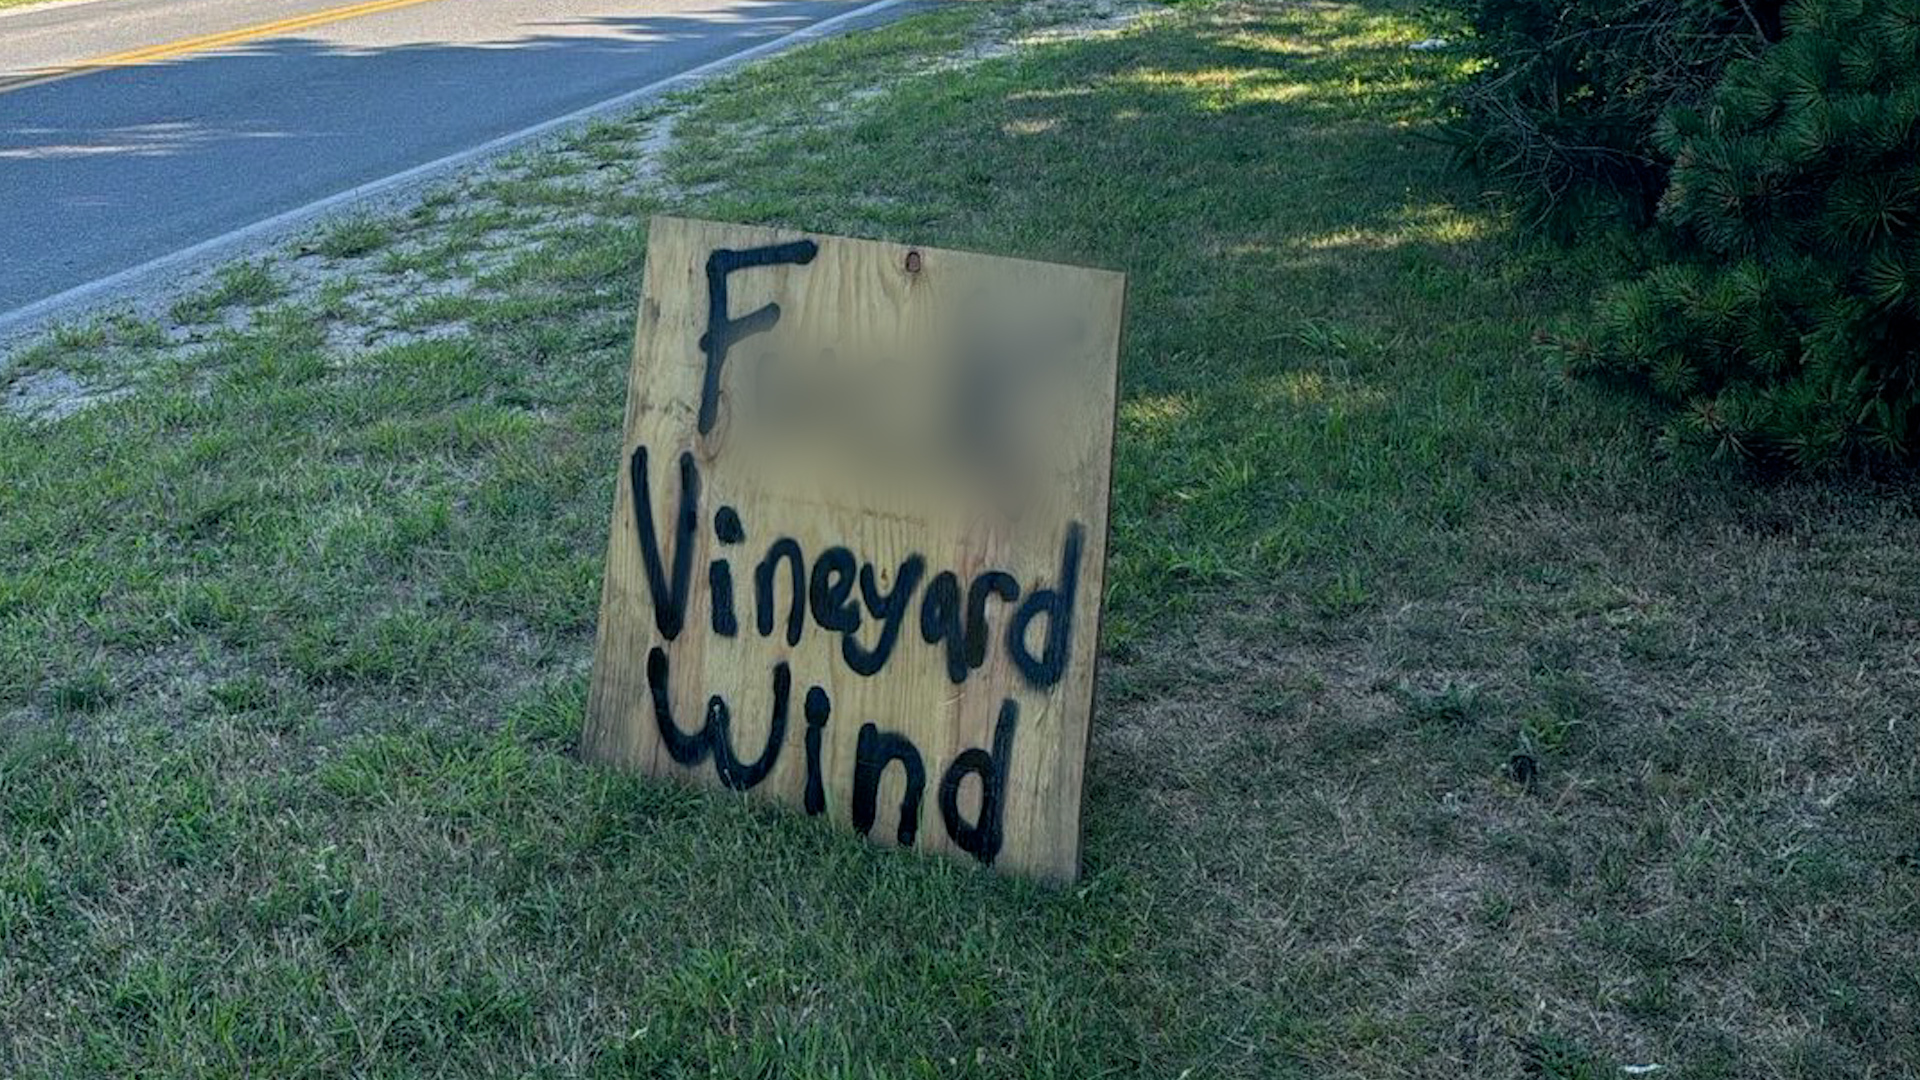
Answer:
(860, 533)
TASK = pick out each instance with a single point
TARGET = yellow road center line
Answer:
(167, 51)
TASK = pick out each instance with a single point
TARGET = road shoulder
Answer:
(140, 288)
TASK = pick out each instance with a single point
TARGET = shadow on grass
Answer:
(1315, 300)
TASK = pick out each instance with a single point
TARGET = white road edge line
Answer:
(18, 319)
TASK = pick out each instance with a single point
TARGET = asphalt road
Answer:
(240, 110)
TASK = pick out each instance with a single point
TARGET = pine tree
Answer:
(1790, 331)
(1561, 113)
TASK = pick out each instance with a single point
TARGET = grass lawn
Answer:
(295, 618)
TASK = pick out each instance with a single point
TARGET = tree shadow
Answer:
(1317, 301)
(110, 168)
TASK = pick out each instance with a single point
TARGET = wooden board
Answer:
(859, 537)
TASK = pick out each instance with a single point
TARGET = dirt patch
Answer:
(55, 395)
